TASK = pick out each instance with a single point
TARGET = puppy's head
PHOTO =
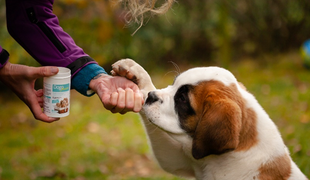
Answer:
(216, 127)
(203, 104)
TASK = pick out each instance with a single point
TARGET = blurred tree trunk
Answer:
(224, 33)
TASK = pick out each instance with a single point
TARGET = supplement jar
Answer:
(56, 91)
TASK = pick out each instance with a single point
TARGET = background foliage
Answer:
(258, 40)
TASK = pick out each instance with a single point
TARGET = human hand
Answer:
(118, 94)
(21, 80)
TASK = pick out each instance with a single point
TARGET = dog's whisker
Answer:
(154, 130)
(176, 67)
(175, 72)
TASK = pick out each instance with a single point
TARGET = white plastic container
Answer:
(57, 93)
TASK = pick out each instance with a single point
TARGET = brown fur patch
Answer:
(217, 102)
(279, 169)
(248, 134)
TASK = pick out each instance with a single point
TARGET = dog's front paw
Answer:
(126, 68)
(133, 71)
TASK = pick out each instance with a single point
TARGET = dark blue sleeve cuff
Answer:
(80, 81)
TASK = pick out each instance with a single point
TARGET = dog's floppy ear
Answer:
(218, 129)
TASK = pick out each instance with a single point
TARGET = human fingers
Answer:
(111, 102)
(44, 118)
(39, 94)
(39, 115)
(129, 101)
(138, 102)
(120, 101)
(130, 98)
(44, 71)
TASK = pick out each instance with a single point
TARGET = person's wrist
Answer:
(80, 81)
(93, 83)
(5, 69)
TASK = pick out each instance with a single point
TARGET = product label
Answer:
(56, 99)
(60, 88)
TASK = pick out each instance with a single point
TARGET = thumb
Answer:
(45, 71)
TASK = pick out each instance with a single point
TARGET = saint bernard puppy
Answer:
(208, 126)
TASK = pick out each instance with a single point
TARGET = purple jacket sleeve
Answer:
(34, 26)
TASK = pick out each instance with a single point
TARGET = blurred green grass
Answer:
(92, 143)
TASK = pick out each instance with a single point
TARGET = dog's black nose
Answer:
(151, 98)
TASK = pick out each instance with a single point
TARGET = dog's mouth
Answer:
(163, 129)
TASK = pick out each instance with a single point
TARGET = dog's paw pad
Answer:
(125, 68)
(122, 67)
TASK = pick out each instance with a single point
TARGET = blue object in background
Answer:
(305, 53)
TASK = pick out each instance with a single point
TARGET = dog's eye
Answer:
(182, 97)
(182, 103)
(182, 94)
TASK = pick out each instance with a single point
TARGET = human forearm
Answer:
(34, 26)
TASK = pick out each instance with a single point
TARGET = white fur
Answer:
(172, 146)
